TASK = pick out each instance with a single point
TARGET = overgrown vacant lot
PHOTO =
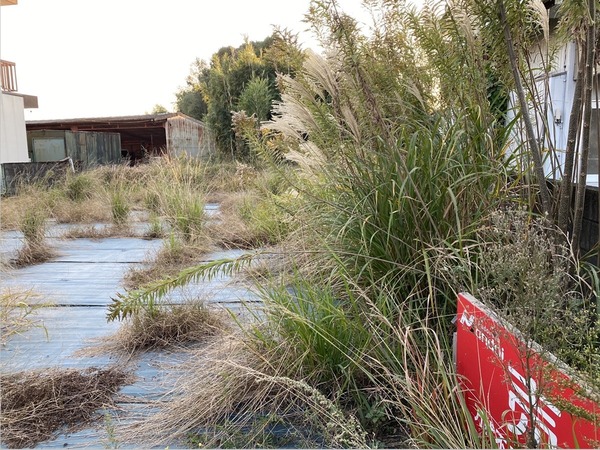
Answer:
(386, 183)
(168, 194)
(352, 346)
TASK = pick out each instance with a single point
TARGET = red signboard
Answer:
(514, 390)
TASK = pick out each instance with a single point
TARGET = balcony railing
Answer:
(8, 76)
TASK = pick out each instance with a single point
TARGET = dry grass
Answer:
(231, 396)
(99, 232)
(11, 212)
(248, 220)
(170, 325)
(37, 404)
(17, 312)
(93, 210)
(174, 256)
(33, 253)
(231, 232)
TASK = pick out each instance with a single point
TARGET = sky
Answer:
(96, 58)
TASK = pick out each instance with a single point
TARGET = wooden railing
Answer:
(8, 76)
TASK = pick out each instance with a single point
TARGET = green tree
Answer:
(159, 109)
(256, 98)
(242, 78)
(190, 99)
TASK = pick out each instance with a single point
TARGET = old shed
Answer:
(85, 148)
(151, 134)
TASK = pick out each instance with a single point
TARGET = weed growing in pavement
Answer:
(35, 248)
(18, 312)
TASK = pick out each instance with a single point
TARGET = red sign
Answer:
(512, 388)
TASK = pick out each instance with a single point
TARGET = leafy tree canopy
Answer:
(236, 79)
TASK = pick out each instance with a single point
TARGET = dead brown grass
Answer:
(99, 232)
(170, 325)
(173, 257)
(33, 253)
(11, 213)
(230, 231)
(211, 388)
(95, 209)
(233, 391)
(35, 405)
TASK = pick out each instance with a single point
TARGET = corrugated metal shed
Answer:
(154, 134)
(84, 147)
(187, 136)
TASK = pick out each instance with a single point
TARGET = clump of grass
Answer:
(156, 229)
(119, 207)
(167, 325)
(33, 227)
(95, 209)
(250, 220)
(80, 187)
(36, 405)
(184, 210)
(17, 312)
(98, 232)
(35, 249)
(173, 256)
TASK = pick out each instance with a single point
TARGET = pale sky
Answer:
(92, 58)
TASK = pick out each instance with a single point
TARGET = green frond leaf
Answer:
(149, 296)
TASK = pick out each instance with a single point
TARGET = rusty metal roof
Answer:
(106, 122)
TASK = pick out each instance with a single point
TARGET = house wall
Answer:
(557, 92)
(189, 137)
(13, 137)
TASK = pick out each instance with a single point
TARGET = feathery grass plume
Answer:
(149, 295)
(377, 204)
(384, 178)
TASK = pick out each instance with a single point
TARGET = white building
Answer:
(13, 135)
(555, 91)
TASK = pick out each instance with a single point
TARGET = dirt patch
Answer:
(37, 404)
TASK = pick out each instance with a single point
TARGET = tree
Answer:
(256, 99)
(235, 79)
(159, 109)
(190, 99)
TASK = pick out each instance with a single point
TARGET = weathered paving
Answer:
(79, 284)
